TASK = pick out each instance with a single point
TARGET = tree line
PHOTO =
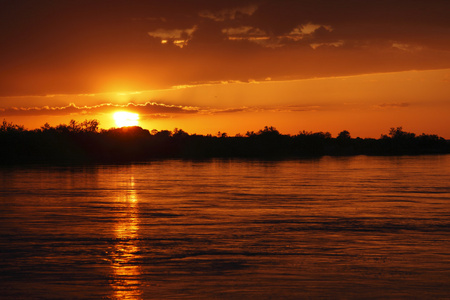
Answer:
(84, 142)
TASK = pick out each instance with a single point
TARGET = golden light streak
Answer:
(126, 271)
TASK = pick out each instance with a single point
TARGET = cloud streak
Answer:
(393, 105)
(147, 109)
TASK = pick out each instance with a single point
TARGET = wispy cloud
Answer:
(393, 105)
(145, 109)
(228, 14)
(178, 37)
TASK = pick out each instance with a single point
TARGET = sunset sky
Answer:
(229, 66)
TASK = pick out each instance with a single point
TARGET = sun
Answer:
(124, 119)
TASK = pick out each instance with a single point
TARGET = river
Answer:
(333, 227)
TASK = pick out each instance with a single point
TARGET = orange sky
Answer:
(229, 66)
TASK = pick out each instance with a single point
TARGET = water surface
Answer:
(349, 227)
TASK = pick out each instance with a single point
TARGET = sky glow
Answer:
(229, 66)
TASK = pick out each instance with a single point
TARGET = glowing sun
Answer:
(123, 119)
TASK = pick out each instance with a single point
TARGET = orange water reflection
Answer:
(125, 269)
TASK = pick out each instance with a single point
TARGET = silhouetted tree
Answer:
(180, 133)
(398, 133)
(269, 131)
(10, 127)
(250, 133)
(46, 127)
(344, 135)
(90, 125)
(164, 133)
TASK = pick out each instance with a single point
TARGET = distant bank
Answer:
(83, 142)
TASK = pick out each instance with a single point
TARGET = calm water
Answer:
(353, 227)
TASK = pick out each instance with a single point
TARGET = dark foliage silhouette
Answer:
(84, 142)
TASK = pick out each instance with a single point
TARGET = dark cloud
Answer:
(84, 46)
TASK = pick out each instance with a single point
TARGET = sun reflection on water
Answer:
(126, 271)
